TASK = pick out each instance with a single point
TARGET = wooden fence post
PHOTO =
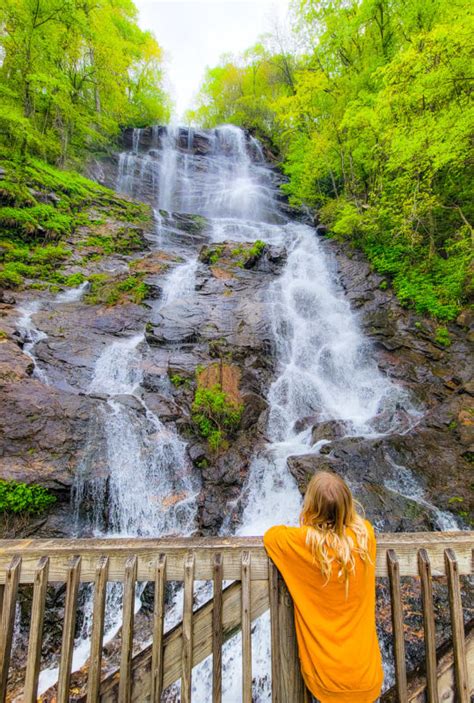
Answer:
(292, 686)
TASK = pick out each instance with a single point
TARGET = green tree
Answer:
(374, 129)
(72, 73)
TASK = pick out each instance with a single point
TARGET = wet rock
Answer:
(304, 422)
(131, 402)
(329, 430)
(43, 431)
(14, 364)
(387, 509)
(6, 298)
(197, 451)
(77, 334)
(254, 406)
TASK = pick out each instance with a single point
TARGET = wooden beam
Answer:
(424, 567)
(98, 614)
(275, 631)
(217, 632)
(187, 630)
(397, 625)
(457, 628)
(158, 631)
(67, 646)
(8, 621)
(36, 631)
(128, 610)
(291, 682)
(147, 550)
(246, 630)
(202, 643)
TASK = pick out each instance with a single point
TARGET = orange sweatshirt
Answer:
(337, 641)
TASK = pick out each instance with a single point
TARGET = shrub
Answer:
(215, 415)
(16, 497)
(442, 337)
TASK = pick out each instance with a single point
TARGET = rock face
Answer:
(43, 431)
(218, 319)
(223, 323)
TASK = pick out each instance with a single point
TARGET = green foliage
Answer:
(72, 73)
(18, 497)
(211, 255)
(375, 131)
(442, 337)
(110, 291)
(215, 416)
(40, 205)
(124, 241)
(248, 255)
(242, 90)
(178, 381)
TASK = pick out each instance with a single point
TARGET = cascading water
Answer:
(325, 368)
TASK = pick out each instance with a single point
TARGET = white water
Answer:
(325, 371)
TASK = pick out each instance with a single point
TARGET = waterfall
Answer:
(325, 370)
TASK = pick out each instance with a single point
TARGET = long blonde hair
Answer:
(328, 511)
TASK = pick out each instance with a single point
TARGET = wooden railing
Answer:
(256, 587)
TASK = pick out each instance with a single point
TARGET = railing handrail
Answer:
(257, 587)
(406, 546)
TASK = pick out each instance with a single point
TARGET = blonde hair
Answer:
(329, 509)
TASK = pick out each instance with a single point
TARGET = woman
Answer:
(328, 564)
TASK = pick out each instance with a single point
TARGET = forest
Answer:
(369, 106)
(366, 105)
(72, 74)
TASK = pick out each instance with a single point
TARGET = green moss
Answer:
(110, 291)
(41, 205)
(246, 255)
(18, 497)
(74, 280)
(178, 380)
(442, 337)
(40, 220)
(257, 249)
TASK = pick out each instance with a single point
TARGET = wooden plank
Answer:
(147, 551)
(12, 578)
(397, 624)
(67, 646)
(158, 629)
(202, 642)
(275, 631)
(128, 609)
(217, 632)
(424, 567)
(36, 631)
(445, 674)
(187, 652)
(457, 627)
(98, 613)
(292, 685)
(246, 630)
